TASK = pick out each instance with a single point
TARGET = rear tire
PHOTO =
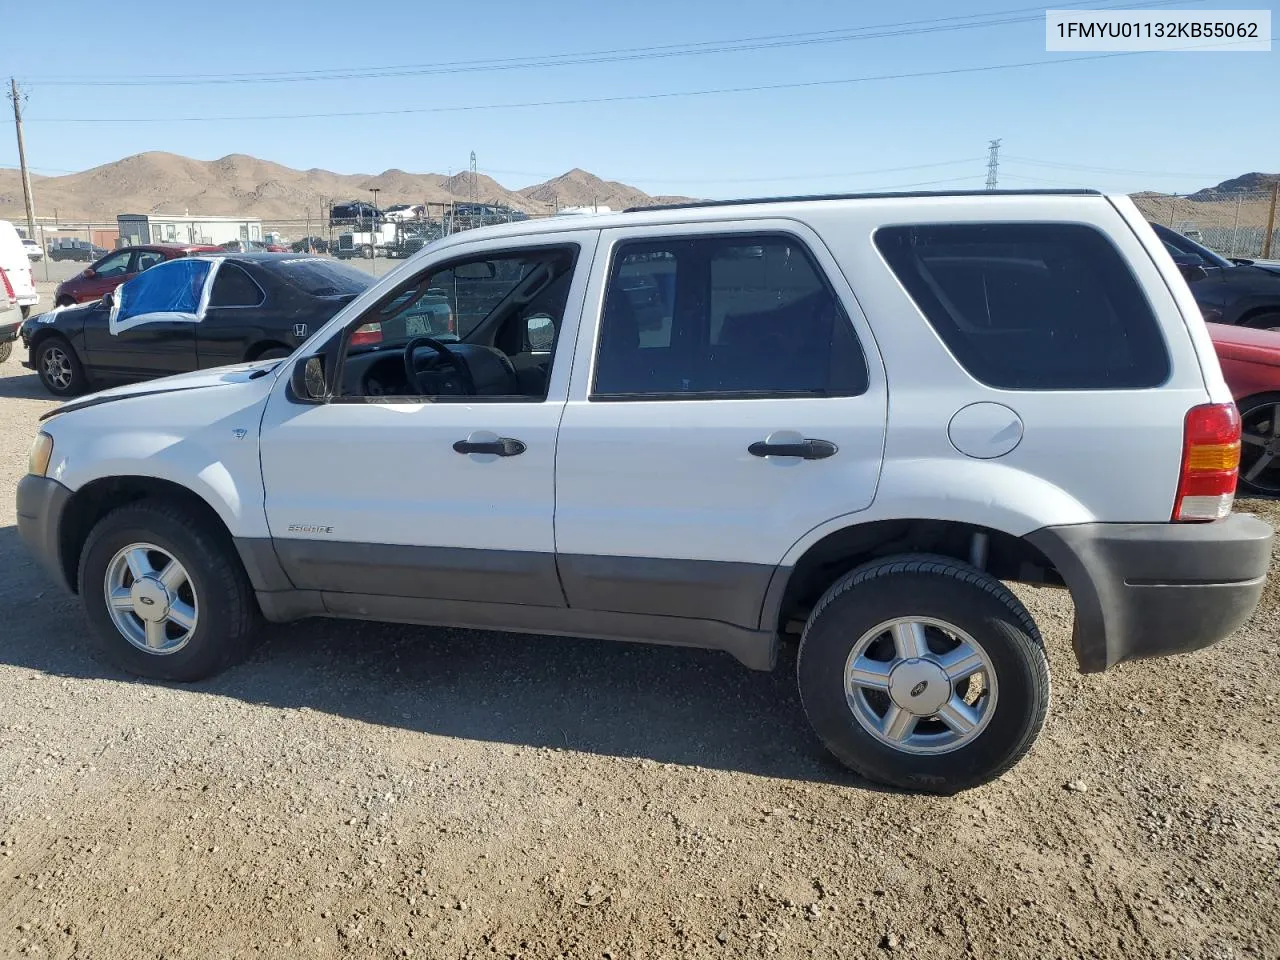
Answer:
(5, 350)
(59, 368)
(214, 596)
(876, 711)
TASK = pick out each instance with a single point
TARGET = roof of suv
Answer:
(717, 209)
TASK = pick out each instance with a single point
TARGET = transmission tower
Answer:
(993, 163)
(472, 184)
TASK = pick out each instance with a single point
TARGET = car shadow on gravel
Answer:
(24, 386)
(666, 704)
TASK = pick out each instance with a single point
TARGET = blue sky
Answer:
(1178, 121)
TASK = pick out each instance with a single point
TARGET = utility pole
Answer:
(1271, 221)
(473, 177)
(22, 157)
(993, 163)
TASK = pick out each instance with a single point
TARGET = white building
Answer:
(138, 228)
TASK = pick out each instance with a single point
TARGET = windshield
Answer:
(323, 278)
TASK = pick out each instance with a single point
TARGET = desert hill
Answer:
(237, 184)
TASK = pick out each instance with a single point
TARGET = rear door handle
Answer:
(502, 447)
(805, 449)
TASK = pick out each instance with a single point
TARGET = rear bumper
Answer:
(41, 504)
(1155, 589)
(9, 331)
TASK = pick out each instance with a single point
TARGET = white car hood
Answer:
(239, 373)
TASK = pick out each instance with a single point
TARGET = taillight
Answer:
(8, 287)
(1210, 463)
(369, 333)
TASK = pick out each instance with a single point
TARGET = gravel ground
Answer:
(381, 791)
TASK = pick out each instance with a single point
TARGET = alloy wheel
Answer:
(920, 685)
(151, 598)
(1260, 447)
(57, 367)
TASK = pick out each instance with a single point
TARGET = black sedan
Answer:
(1237, 291)
(189, 314)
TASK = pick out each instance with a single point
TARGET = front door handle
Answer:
(805, 449)
(502, 447)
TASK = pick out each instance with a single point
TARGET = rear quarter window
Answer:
(1031, 306)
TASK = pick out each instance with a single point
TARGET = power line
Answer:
(1092, 169)
(621, 98)
(631, 178)
(624, 54)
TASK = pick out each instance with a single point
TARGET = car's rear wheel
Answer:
(274, 353)
(59, 368)
(368, 252)
(1260, 444)
(165, 594)
(924, 673)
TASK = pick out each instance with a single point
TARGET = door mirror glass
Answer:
(475, 270)
(108, 300)
(308, 380)
(90, 273)
(540, 332)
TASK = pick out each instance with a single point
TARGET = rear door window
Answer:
(742, 315)
(232, 287)
(1031, 306)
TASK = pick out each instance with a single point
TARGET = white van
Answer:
(14, 260)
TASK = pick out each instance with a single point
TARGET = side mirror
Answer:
(540, 332)
(108, 300)
(89, 273)
(308, 380)
(1192, 272)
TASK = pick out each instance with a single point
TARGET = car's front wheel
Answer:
(59, 368)
(924, 673)
(165, 594)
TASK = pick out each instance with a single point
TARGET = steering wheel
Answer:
(443, 353)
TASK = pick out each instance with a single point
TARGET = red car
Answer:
(1250, 362)
(103, 276)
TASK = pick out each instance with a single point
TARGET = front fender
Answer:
(205, 440)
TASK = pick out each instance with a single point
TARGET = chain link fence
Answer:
(1233, 225)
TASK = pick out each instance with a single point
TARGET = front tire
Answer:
(59, 368)
(274, 353)
(923, 673)
(165, 593)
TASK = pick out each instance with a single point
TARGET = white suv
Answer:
(714, 425)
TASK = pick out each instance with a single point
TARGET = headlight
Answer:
(41, 452)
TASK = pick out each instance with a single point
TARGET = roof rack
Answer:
(1067, 192)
